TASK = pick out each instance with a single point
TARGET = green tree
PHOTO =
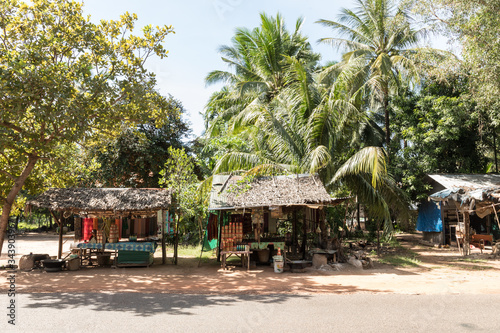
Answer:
(135, 157)
(441, 128)
(381, 52)
(64, 79)
(474, 26)
(178, 176)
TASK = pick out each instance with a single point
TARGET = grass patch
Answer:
(28, 227)
(472, 267)
(191, 252)
(471, 260)
(400, 260)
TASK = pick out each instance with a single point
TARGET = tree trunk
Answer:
(495, 149)
(387, 124)
(378, 237)
(18, 217)
(11, 197)
(163, 236)
(358, 215)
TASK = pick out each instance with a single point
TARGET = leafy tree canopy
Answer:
(440, 128)
(64, 79)
(135, 157)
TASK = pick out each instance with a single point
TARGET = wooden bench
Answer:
(479, 240)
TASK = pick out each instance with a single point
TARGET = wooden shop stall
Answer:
(262, 217)
(474, 206)
(126, 222)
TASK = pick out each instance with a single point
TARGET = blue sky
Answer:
(201, 26)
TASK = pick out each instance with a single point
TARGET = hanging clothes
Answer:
(88, 225)
(212, 227)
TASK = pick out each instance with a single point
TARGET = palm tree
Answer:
(258, 62)
(380, 51)
(303, 132)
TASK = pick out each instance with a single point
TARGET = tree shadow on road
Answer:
(147, 304)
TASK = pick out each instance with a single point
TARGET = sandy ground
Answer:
(440, 271)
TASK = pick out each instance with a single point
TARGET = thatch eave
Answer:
(103, 201)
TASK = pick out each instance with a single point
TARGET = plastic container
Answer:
(278, 264)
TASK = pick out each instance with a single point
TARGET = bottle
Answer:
(279, 251)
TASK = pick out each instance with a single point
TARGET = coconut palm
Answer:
(258, 62)
(381, 51)
(304, 132)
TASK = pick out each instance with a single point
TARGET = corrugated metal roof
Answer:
(467, 189)
(466, 181)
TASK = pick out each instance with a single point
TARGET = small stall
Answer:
(124, 222)
(260, 218)
(476, 213)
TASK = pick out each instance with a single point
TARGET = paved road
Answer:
(135, 312)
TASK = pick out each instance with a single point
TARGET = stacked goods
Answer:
(113, 233)
(232, 234)
(99, 236)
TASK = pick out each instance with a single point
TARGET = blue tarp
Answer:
(429, 217)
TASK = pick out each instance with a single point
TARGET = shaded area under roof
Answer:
(234, 192)
(114, 201)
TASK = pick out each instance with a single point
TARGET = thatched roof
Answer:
(233, 192)
(103, 201)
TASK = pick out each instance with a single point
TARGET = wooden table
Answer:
(241, 254)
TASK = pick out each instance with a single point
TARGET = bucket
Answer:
(278, 264)
(263, 255)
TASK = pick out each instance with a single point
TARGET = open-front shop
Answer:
(115, 226)
(268, 219)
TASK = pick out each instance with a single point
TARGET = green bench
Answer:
(134, 258)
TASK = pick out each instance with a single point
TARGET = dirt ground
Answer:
(436, 271)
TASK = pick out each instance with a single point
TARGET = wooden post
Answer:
(163, 236)
(294, 232)
(176, 235)
(304, 235)
(219, 233)
(59, 222)
(467, 233)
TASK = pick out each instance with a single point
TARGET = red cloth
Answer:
(88, 225)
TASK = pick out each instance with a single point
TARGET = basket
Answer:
(73, 264)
